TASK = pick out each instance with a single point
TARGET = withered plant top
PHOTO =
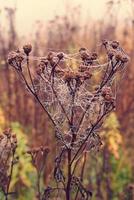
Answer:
(77, 93)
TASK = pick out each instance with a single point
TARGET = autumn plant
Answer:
(77, 92)
(8, 158)
(38, 157)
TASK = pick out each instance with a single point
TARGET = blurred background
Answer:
(65, 25)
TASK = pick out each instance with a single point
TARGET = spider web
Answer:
(56, 96)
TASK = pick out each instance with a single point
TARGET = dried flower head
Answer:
(27, 49)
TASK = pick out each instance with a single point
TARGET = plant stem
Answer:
(38, 186)
(68, 197)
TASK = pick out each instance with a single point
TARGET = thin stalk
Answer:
(91, 130)
(38, 185)
(68, 194)
(30, 76)
(82, 173)
(10, 176)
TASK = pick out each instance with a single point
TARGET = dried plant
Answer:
(38, 157)
(76, 100)
(8, 158)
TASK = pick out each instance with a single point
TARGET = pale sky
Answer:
(29, 11)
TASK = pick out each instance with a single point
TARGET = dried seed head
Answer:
(1, 137)
(7, 132)
(82, 68)
(87, 75)
(104, 42)
(118, 56)
(125, 59)
(107, 97)
(94, 56)
(44, 61)
(13, 135)
(39, 71)
(60, 55)
(27, 49)
(50, 55)
(52, 62)
(15, 59)
(106, 91)
(121, 57)
(115, 44)
(82, 49)
(111, 53)
(11, 57)
(84, 55)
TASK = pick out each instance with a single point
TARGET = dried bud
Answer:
(11, 58)
(125, 59)
(7, 133)
(104, 42)
(94, 56)
(82, 68)
(67, 76)
(115, 44)
(60, 55)
(52, 62)
(87, 75)
(82, 49)
(108, 97)
(106, 91)
(39, 71)
(1, 137)
(27, 49)
(111, 53)
(84, 55)
(44, 61)
(15, 59)
(13, 135)
(50, 55)
(121, 57)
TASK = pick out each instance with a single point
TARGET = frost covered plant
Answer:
(76, 100)
(8, 158)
